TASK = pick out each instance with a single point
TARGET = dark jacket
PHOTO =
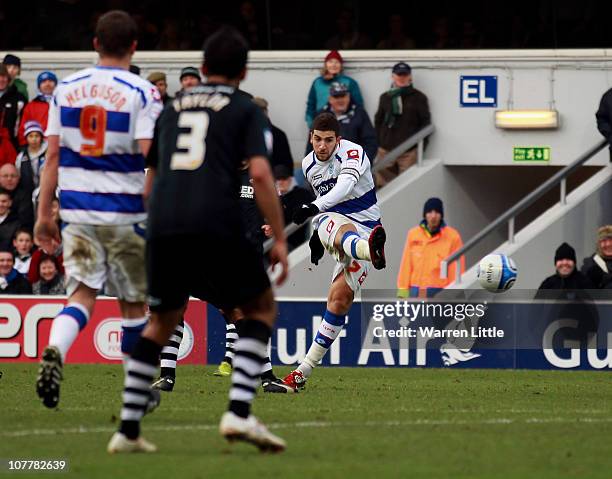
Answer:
(415, 116)
(17, 284)
(600, 278)
(604, 116)
(290, 201)
(7, 230)
(53, 287)
(355, 126)
(22, 206)
(574, 281)
(281, 153)
(11, 105)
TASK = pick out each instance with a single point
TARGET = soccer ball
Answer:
(496, 272)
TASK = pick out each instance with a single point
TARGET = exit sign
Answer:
(531, 153)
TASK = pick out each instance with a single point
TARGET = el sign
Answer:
(478, 91)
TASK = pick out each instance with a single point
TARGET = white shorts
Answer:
(355, 271)
(110, 255)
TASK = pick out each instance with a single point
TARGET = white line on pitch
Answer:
(317, 424)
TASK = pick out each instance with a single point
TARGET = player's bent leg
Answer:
(249, 356)
(339, 303)
(353, 245)
(64, 331)
(348, 241)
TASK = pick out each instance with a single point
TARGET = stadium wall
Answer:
(588, 207)
(571, 81)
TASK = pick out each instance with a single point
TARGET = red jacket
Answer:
(36, 110)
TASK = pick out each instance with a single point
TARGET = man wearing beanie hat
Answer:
(319, 90)
(13, 65)
(159, 80)
(426, 246)
(598, 267)
(190, 77)
(566, 275)
(38, 109)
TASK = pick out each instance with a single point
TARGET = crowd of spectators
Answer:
(24, 269)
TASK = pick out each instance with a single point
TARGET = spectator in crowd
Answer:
(426, 246)
(13, 66)
(11, 105)
(33, 273)
(604, 118)
(566, 275)
(319, 90)
(11, 282)
(571, 286)
(38, 109)
(51, 281)
(253, 30)
(281, 153)
(292, 196)
(9, 223)
(598, 267)
(355, 124)
(348, 37)
(402, 111)
(190, 77)
(159, 80)
(441, 37)
(30, 161)
(23, 245)
(22, 206)
(397, 38)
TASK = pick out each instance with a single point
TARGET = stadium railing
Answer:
(560, 178)
(417, 139)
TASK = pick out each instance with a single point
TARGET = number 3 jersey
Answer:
(201, 141)
(99, 114)
(347, 162)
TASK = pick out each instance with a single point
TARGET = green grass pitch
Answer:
(347, 423)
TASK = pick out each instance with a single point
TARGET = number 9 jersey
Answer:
(99, 114)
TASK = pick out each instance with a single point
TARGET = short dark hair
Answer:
(326, 122)
(48, 257)
(21, 230)
(225, 53)
(4, 191)
(116, 31)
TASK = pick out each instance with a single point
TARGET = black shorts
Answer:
(227, 274)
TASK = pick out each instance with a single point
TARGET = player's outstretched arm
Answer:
(46, 232)
(269, 205)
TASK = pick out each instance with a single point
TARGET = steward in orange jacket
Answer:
(426, 246)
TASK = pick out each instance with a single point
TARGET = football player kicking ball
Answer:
(346, 223)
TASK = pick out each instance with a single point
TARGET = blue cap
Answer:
(46, 75)
(338, 89)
